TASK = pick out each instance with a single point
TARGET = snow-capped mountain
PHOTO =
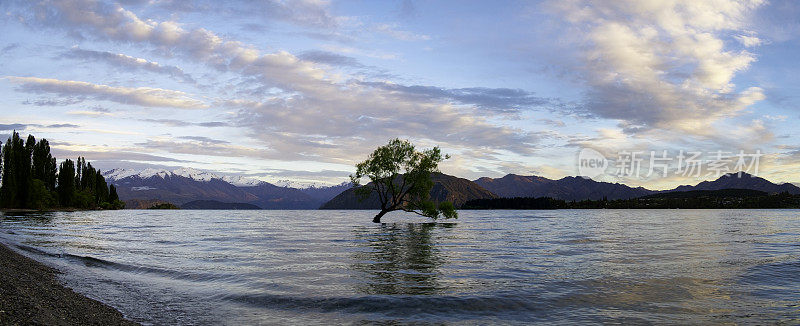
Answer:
(184, 185)
(241, 181)
(194, 174)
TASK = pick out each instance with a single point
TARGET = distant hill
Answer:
(185, 185)
(579, 188)
(324, 194)
(745, 181)
(445, 188)
(140, 189)
(269, 196)
(513, 185)
(568, 188)
(213, 204)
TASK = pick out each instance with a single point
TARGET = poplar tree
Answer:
(66, 183)
(112, 194)
(44, 164)
(8, 188)
(101, 188)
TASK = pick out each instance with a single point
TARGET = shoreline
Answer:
(30, 293)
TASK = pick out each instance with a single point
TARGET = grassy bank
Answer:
(30, 293)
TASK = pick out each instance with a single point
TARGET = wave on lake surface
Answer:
(512, 267)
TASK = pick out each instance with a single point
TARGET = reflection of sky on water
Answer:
(668, 266)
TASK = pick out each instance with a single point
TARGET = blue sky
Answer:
(302, 90)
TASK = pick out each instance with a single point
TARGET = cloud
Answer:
(9, 48)
(342, 61)
(554, 123)
(21, 126)
(314, 114)
(111, 155)
(749, 41)
(127, 62)
(494, 99)
(90, 113)
(391, 30)
(13, 126)
(144, 96)
(55, 101)
(775, 117)
(182, 123)
(63, 125)
(330, 58)
(204, 140)
(197, 145)
(663, 64)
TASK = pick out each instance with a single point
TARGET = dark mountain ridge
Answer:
(187, 185)
(445, 188)
(742, 181)
(579, 188)
(567, 188)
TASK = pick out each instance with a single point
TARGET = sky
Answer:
(302, 90)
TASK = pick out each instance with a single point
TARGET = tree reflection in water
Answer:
(399, 258)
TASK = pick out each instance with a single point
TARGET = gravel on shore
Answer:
(30, 294)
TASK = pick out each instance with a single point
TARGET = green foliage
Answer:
(401, 178)
(448, 210)
(118, 204)
(31, 179)
(100, 188)
(112, 194)
(66, 183)
(15, 190)
(83, 199)
(40, 196)
(164, 206)
(44, 164)
(8, 191)
(700, 199)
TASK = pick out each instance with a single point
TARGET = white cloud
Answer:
(128, 62)
(144, 96)
(313, 115)
(775, 117)
(749, 40)
(663, 64)
(90, 113)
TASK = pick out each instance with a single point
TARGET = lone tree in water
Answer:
(401, 178)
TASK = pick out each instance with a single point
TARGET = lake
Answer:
(487, 267)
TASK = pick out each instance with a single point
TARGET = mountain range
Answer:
(184, 185)
(579, 188)
(568, 188)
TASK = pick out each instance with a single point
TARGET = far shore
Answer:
(31, 294)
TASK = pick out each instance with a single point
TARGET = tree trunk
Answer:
(377, 218)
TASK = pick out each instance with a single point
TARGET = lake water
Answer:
(487, 267)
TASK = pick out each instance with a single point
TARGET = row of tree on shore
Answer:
(31, 179)
(713, 199)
